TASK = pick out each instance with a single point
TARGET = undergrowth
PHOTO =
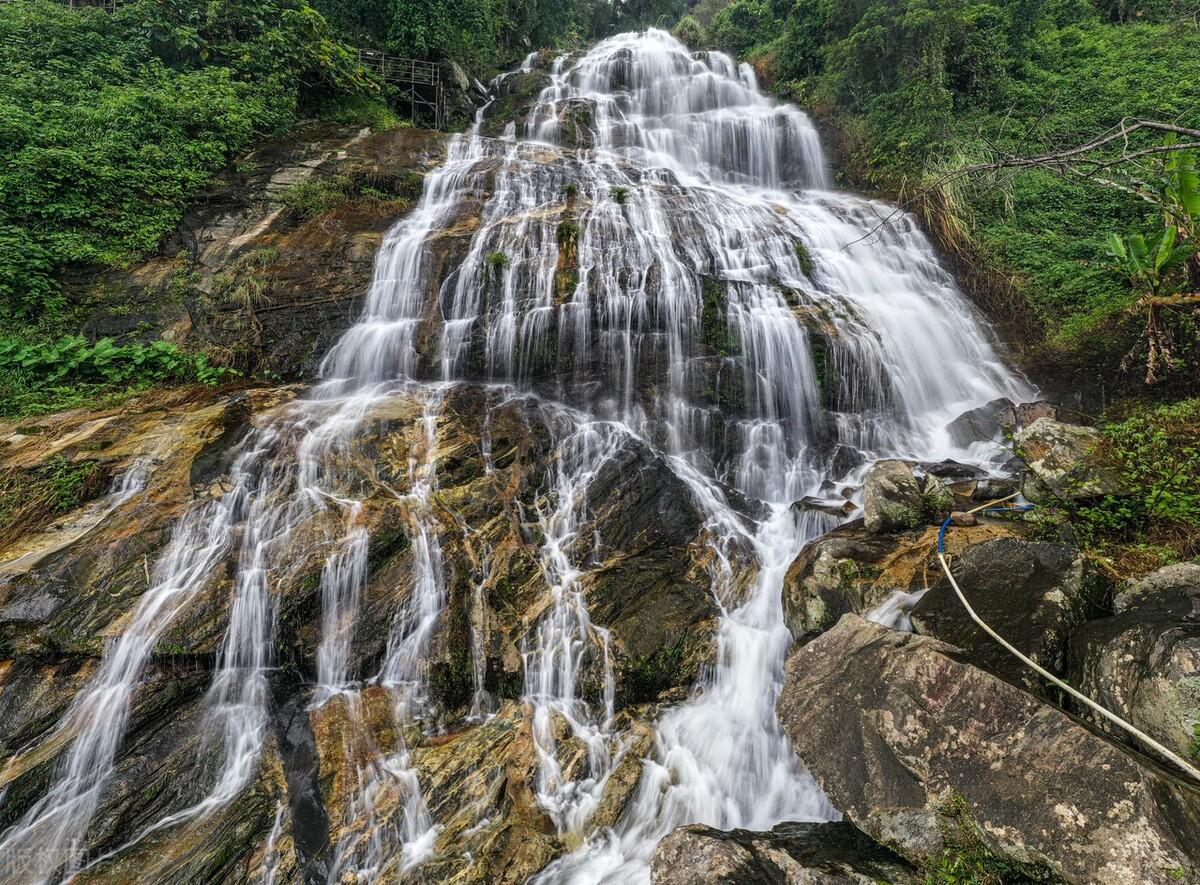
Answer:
(44, 377)
(30, 498)
(321, 194)
(1155, 452)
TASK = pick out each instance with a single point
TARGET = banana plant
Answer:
(1181, 196)
(1149, 261)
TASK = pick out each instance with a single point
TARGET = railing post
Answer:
(410, 72)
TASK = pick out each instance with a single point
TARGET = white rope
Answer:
(1179, 761)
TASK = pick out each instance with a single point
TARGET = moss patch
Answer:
(966, 860)
(714, 328)
(645, 678)
(31, 498)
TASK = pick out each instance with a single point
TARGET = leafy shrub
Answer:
(690, 33)
(40, 377)
(1157, 454)
(74, 359)
(360, 110)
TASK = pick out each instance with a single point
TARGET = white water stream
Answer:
(723, 306)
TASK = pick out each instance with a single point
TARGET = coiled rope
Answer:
(1181, 763)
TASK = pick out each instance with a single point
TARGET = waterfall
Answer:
(566, 638)
(658, 257)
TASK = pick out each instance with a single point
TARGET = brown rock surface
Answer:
(898, 730)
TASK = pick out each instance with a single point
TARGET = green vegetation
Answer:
(619, 195)
(1156, 451)
(715, 330)
(30, 498)
(645, 678)
(44, 377)
(319, 194)
(966, 860)
(915, 89)
(485, 35)
(109, 123)
(566, 274)
(497, 261)
(804, 257)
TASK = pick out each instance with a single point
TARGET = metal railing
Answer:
(419, 82)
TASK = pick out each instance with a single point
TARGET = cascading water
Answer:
(894, 611)
(49, 836)
(672, 269)
(566, 639)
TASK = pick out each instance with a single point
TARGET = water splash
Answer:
(895, 611)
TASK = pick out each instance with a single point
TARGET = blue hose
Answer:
(941, 542)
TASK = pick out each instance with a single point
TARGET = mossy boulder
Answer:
(912, 743)
(892, 499)
(1143, 663)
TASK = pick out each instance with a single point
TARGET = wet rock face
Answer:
(892, 498)
(845, 571)
(1032, 593)
(919, 732)
(1143, 663)
(260, 285)
(515, 96)
(641, 548)
(852, 570)
(986, 423)
(790, 854)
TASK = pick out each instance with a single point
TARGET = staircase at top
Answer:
(500, 596)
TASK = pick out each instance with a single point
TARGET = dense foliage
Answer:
(1156, 453)
(483, 35)
(39, 377)
(110, 122)
(917, 87)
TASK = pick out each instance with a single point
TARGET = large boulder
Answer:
(1027, 413)
(852, 570)
(1144, 662)
(790, 854)
(914, 744)
(987, 423)
(892, 498)
(1031, 592)
(1065, 461)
